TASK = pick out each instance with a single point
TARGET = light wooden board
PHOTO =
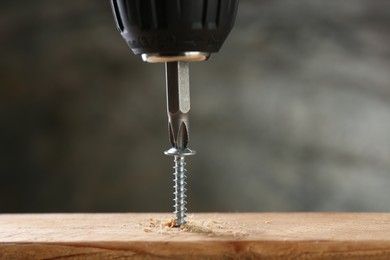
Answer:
(212, 235)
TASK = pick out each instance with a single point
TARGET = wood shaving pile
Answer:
(212, 228)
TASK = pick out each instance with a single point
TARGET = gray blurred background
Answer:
(293, 114)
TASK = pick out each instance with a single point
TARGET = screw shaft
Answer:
(180, 190)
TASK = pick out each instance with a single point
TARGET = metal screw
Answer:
(180, 202)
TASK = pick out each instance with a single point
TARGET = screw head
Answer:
(179, 152)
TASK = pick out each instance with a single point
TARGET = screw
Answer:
(179, 174)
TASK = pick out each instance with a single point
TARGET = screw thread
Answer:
(180, 190)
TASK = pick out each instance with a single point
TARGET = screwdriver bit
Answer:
(178, 103)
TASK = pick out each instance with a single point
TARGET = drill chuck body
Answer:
(172, 28)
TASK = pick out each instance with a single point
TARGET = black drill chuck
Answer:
(159, 29)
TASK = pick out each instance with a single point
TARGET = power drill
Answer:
(176, 32)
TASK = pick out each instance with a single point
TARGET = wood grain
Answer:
(212, 235)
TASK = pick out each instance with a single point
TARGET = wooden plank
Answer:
(212, 235)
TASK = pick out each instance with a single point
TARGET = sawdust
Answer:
(211, 228)
(171, 223)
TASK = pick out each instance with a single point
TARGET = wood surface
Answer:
(211, 236)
